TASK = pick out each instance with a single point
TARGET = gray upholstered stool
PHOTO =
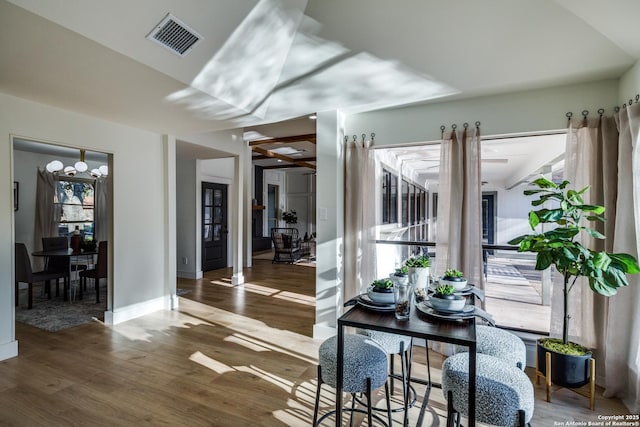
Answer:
(365, 369)
(395, 344)
(504, 393)
(501, 344)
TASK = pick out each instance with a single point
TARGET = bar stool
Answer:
(403, 346)
(364, 370)
(504, 393)
(501, 344)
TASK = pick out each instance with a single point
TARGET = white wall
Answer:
(630, 84)
(233, 154)
(138, 251)
(186, 227)
(330, 222)
(512, 212)
(518, 112)
(301, 197)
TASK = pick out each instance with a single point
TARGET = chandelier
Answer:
(56, 166)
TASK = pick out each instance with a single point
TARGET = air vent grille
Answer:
(174, 35)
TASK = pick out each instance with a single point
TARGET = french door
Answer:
(214, 226)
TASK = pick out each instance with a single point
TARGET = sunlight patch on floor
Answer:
(207, 362)
(295, 297)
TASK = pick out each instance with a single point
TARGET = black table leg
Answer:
(339, 375)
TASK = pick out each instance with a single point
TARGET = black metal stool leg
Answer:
(369, 401)
(318, 389)
(386, 393)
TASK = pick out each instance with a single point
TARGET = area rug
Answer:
(55, 314)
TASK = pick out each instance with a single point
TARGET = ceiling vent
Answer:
(174, 35)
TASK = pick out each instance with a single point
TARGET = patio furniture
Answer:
(286, 245)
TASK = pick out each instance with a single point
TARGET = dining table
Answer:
(71, 254)
(419, 325)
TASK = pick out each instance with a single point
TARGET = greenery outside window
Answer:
(74, 202)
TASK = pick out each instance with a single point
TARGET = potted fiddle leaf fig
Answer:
(561, 247)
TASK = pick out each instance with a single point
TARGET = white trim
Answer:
(322, 332)
(175, 301)
(216, 179)
(189, 274)
(137, 310)
(9, 350)
(237, 279)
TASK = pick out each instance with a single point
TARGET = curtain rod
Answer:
(364, 137)
(601, 111)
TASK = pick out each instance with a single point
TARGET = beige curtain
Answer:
(459, 225)
(359, 220)
(590, 160)
(622, 327)
(603, 153)
(100, 210)
(46, 219)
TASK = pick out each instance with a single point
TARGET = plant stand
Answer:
(591, 394)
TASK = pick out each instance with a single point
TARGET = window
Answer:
(74, 200)
(389, 197)
(405, 203)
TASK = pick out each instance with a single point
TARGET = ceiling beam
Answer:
(304, 159)
(271, 154)
(311, 137)
(282, 166)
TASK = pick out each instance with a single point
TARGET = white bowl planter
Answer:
(383, 297)
(458, 283)
(451, 305)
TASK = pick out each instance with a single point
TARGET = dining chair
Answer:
(98, 272)
(57, 264)
(24, 274)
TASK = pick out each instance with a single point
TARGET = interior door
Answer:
(214, 226)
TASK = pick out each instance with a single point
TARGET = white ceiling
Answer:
(267, 61)
(265, 65)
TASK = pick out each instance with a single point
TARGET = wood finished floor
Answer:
(230, 356)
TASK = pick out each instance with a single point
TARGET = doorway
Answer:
(214, 226)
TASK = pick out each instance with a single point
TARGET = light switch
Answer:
(323, 214)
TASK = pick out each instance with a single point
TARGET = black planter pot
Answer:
(566, 370)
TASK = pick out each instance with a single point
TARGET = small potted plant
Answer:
(381, 290)
(418, 269)
(454, 278)
(290, 217)
(445, 299)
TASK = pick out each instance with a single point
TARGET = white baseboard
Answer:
(137, 310)
(189, 274)
(8, 350)
(322, 332)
